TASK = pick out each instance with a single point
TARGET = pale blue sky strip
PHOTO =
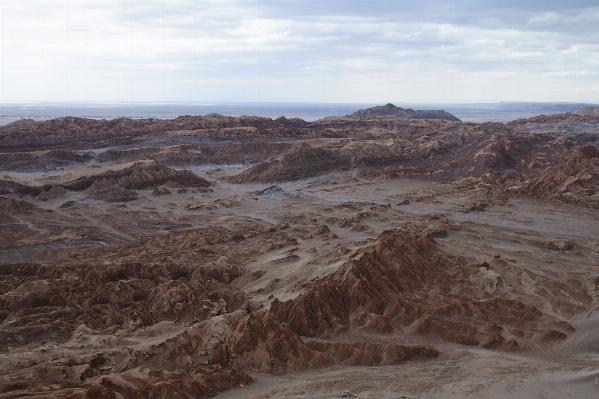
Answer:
(315, 51)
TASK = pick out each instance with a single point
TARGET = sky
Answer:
(341, 51)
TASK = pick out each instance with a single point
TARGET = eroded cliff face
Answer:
(89, 133)
(131, 322)
(403, 285)
(52, 160)
(137, 327)
(575, 178)
(141, 324)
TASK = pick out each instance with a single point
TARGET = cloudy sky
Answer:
(300, 51)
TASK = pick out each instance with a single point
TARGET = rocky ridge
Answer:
(51, 160)
(575, 178)
(403, 285)
(401, 113)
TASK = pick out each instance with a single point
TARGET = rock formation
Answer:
(575, 178)
(403, 285)
(51, 160)
(401, 113)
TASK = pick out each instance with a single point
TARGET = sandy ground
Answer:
(513, 230)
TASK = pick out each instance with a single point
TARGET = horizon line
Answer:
(209, 102)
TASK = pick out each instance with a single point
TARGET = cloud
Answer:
(338, 51)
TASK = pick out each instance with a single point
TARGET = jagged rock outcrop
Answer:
(258, 341)
(12, 187)
(89, 133)
(119, 185)
(53, 193)
(197, 361)
(51, 160)
(124, 296)
(298, 164)
(498, 153)
(84, 381)
(11, 205)
(161, 190)
(179, 276)
(575, 178)
(404, 285)
(139, 177)
(197, 333)
(113, 186)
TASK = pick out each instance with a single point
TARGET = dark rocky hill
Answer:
(402, 113)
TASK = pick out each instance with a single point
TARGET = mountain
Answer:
(402, 113)
(587, 111)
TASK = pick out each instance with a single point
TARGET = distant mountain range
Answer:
(467, 112)
(587, 111)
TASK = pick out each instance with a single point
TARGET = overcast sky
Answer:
(300, 51)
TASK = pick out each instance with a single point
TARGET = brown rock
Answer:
(161, 190)
(394, 281)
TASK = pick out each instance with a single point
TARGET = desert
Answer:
(388, 253)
